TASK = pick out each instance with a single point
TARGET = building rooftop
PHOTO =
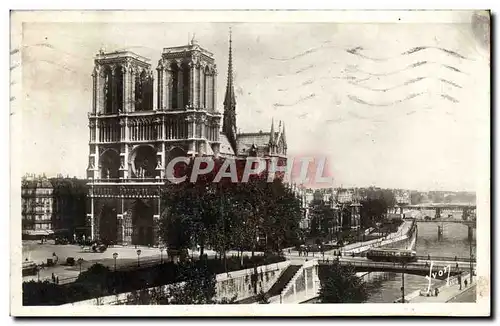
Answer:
(120, 54)
(245, 141)
(39, 182)
(193, 46)
(225, 147)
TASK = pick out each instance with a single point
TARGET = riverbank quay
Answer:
(404, 232)
(446, 291)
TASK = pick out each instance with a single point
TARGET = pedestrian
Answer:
(456, 265)
(465, 283)
(53, 278)
(57, 280)
(436, 291)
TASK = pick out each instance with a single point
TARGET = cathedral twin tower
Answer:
(132, 122)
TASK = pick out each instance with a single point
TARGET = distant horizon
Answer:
(48, 176)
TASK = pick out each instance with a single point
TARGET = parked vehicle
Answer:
(29, 268)
(61, 241)
(99, 247)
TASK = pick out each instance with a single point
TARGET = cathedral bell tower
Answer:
(187, 93)
(133, 135)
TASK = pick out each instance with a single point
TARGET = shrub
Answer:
(99, 280)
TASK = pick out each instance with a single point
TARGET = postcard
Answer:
(250, 163)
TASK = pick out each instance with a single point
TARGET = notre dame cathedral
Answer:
(141, 120)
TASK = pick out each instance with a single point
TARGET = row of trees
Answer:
(374, 205)
(229, 215)
(99, 281)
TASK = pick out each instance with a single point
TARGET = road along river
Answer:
(386, 287)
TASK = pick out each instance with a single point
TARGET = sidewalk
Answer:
(358, 247)
(446, 293)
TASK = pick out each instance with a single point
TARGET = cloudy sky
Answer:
(396, 105)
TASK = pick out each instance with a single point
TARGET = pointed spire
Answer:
(229, 120)
(283, 135)
(229, 100)
(271, 136)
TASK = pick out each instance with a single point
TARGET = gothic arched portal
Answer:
(108, 223)
(142, 221)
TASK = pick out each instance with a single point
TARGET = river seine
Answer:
(387, 288)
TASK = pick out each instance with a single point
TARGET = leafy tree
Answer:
(283, 217)
(375, 205)
(416, 197)
(227, 215)
(97, 279)
(262, 298)
(197, 286)
(70, 200)
(339, 284)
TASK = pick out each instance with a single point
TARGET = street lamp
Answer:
(470, 255)
(403, 284)
(138, 254)
(115, 255)
(80, 261)
(161, 254)
(38, 268)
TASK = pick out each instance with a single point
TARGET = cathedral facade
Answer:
(140, 121)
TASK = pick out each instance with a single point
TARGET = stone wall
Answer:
(228, 285)
(240, 282)
(302, 287)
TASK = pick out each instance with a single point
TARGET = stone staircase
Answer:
(283, 280)
(278, 286)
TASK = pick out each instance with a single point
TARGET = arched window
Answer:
(119, 88)
(108, 91)
(144, 162)
(147, 92)
(175, 85)
(204, 96)
(139, 91)
(185, 84)
(110, 164)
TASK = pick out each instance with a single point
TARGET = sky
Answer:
(393, 105)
